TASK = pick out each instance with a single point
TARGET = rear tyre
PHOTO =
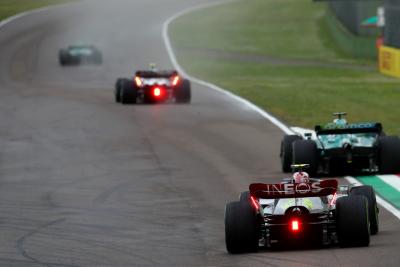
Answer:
(244, 196)
(389, 154)
(286, 154)
(352, 222)
(182, 92)
(117, 89)
(128, 92)
(241, 228)
(306, 152)
(63, 57)
(373, 210)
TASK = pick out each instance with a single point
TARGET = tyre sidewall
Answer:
(306, 152)
(373, 211)
(286, 153)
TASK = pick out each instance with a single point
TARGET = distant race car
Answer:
(340, 147)
(153, 86)
(80, 54)
(301, 212)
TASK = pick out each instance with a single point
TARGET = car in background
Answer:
(340, 147)
(311, 212)
(80, 54)
(153, 86)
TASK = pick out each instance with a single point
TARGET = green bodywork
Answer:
(340, 133)
(80, 50)
(330, 141)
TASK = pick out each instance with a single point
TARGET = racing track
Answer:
(87, 182)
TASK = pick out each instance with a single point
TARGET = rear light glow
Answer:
(157, 92)
(333, 200)
(255, 203)
(138, 81)
(295, 225)
(175, 80)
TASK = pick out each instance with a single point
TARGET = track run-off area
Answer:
(88, 182)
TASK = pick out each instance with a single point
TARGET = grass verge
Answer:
(276, 54)
(9, 8)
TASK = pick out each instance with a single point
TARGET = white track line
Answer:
(391, 180)
(20, 15)
(174, 61)
(250, 105)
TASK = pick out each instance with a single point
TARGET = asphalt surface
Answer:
(88, 182)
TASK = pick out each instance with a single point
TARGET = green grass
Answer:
(309, 78)
(11, 7)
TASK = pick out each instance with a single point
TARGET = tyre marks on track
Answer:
(21, 241)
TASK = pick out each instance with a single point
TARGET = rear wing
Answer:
(332, 128)
(293, 190)
(156, 74)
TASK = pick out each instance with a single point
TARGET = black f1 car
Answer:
(153, 86)
(80, 54)
(341, 148)
(317, 212)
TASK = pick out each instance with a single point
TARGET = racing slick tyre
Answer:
(286, 154)
(128, 92)
(241, 227)
(117, 90)
(389, 154)
(305, 152)
(373, 210)
(182, 92)
(352, 222)
(63, 57)
(244, 196)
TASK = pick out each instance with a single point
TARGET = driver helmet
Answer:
(301, 177)
(153, 67)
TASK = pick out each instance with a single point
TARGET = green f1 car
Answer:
(75, 55)
(340, 147)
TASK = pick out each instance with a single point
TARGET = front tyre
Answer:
(286, 154)
(306, 152)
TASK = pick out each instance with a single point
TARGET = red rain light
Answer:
(157, 92)
(295, 225)
(255, 203)
(175, 80)
(333, 200)
(138, 81)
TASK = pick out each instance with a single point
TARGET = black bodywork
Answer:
(348, 217)
(153, 86)
(317, 229)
